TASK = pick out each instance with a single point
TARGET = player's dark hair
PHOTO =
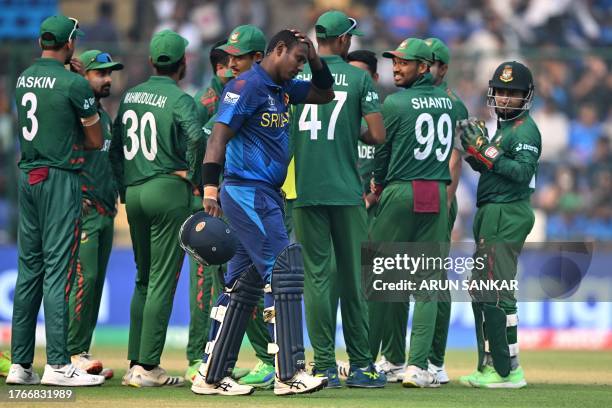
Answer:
(218, 56)
(285, 36)
(365, 56)
(50, 37)
(167, 70)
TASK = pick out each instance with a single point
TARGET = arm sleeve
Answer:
(201, 108)
(116, 157)
(298, 91)
(187, 119)
(82, 97)
(239, 101)
(369, 97)
(382, 156)
(522, 166)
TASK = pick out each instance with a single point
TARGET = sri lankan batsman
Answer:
(58, 119)
(98, 212)
(507, 163)
(156, 123)
(329, 209)
(412, 166)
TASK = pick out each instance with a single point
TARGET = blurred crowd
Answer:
(566, 43)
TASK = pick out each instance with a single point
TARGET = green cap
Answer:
(95, 59)
(63, 29)
(440, 50)
(245, 39)
(412, 49)
(334, 24)
(167, 47)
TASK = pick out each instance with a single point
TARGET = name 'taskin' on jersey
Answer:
(35, 82)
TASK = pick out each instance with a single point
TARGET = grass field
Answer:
(556, 379)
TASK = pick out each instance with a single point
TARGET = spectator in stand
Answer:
(583, 134)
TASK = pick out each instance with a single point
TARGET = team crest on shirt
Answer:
(506, 75)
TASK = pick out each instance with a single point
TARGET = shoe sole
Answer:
(21, 383)
(212, 391)
(365, 386)
(137, 385)
(507, 385)
(309, 391)
(411, 384)
(49, 384)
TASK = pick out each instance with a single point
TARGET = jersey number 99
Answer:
(137, 142)
(443, 131)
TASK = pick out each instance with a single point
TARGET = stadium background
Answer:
(568, 45)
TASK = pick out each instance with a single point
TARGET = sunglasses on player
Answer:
(76, 27)
(103, 58)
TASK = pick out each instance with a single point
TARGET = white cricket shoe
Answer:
(69, 376)
(86, 363)
(22, 376)
(301, 383)
(416, 377)
(227, 386)
(127, 377)
(344, 369)
(156, 377)
(439, 371)
(394, 372)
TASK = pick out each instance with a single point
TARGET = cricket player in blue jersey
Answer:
(251, 135)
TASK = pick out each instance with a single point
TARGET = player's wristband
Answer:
(211, 192)
(210, 174)
(322, 78)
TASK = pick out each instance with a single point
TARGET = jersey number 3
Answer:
(30, 98)
(314, 125)
(139, 142)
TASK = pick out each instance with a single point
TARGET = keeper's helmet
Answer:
(208, 239)
(514, 76)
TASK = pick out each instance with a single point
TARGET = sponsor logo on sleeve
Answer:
(231, 98)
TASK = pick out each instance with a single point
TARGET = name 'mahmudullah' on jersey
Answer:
(35, 82)
(145, 98)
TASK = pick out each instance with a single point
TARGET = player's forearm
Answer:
(455, 172)
(519, 171)
(381, 163)
(375, 134)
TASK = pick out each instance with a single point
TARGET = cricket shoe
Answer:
(394, 372)
(22, 376)
(5, 363)
(260, 377)
(516, 379)
(468, 379)
(86, 363)
(238, 373)
(157, 377)
(416, 377)
(367, 377)
(440, 372)
(226, 386)
(333, 381)
(127, 377)
(70, 376)
(344, 369)
(301, 383)
(192, 370)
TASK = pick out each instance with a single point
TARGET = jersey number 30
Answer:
(139, 142)
(314, 125)
(443, 131)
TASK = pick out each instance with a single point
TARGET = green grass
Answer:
(556, 379)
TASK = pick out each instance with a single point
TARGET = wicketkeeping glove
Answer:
(475, 141)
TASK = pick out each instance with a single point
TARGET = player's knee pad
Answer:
(495, 323)
(287, 287)
(230, 317)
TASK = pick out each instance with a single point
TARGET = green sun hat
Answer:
(62, 28)
(96, 59)
(335, 24)
(245, 39)
(167, 47)
(440, 50)
(412, 49)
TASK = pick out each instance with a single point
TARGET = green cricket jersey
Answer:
(97, 180)
(156, 124)
(365, 161)
(207, 100)
(513, 175)
(461, 112)
(325, 138)
(420, 123)
(50, 103)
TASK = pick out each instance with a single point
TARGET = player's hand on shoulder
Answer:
(77, 67)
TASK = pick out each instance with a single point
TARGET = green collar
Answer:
(332, 58)
(48, 61)
(425, 80)
(162, 78)
(503, 124)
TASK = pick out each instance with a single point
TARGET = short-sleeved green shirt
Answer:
(420, 124)
(365, 161)
(207, 100)
(461, 112)
(97, 180)
(156, 124)
(325, 138)
(50, 104)
(513, 176)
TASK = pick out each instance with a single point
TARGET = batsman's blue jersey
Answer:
(257, 109)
